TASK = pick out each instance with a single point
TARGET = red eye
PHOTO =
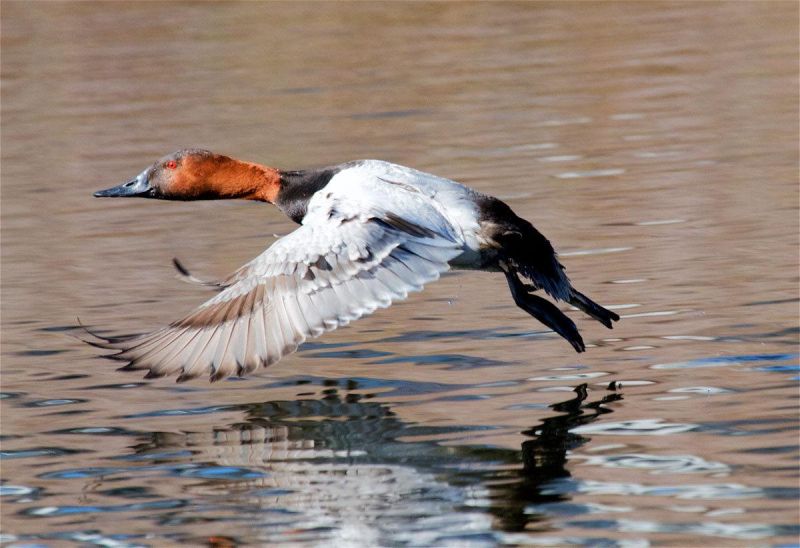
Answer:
(172, 164)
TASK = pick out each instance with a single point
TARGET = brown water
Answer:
(654, 143)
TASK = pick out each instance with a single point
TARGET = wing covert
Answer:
(333, 269)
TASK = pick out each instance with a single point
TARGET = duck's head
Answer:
(194, 174)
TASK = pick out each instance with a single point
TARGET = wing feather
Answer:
(327, 273)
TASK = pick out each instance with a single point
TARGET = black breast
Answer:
(297, 188)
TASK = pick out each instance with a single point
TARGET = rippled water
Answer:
(654, 143)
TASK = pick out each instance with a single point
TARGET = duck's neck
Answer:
(221, 177)
(245, 180)
(217, 177)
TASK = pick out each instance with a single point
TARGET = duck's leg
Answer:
(543, 310)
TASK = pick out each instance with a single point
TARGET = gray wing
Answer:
(321, 276)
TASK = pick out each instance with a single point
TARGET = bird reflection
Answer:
(346, 465)
(544, 456)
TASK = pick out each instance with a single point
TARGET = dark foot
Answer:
(602, 315)
(545, 311)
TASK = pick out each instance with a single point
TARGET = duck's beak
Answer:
(138, 186)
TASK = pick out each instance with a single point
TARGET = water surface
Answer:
(654, 143)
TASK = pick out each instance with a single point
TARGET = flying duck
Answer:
(369, 233)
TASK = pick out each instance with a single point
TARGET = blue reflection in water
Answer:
(221, 472)
(67, 510)
(184, 470)
(452, 361)
(338, 452)
(39, 452)
(723, 361)
(779, 368)
(312, 468)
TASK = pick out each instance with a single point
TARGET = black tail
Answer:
(531, 255)
(525, 251)
(602, 315)
(524, 248)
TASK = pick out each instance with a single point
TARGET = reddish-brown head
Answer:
(194, 174)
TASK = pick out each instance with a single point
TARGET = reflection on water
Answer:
(344, 469)
(338, 469)
(654, 143)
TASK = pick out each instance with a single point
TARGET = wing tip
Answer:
(185, 275)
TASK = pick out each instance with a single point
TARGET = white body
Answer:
(422, 198)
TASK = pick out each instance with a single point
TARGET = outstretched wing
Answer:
(333, 269)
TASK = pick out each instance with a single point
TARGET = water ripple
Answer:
(399, 387)
(454, 361)
(660, 222)
(709, 491)
(97, 431)
(39, 452)
(180, 412)
(47, 511)
(80, 473)
(656, 313)
(748, 531)
(221, 472)
(725, 361)
(16, 490)
(749, 427)
(598, 251)
(561, 158)
(188, 469)
(389, 114)
(571, 376)
(54, 402)
(590, 173)
(471, 334)
(120, 386)
(779, 368)
(355, 354)
(707, 390)
(658, 464)
(646, 427)
(82, 538)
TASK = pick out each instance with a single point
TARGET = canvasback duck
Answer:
(370, 232)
